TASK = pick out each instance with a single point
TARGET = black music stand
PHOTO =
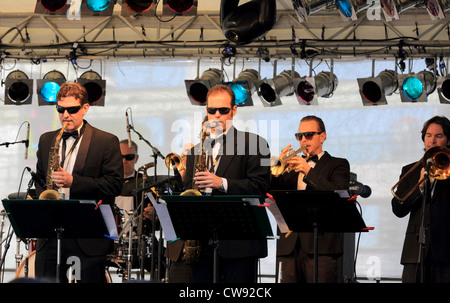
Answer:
(218, 218)
(318, 211)
(58, 219)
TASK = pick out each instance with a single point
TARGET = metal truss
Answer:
(325, 35)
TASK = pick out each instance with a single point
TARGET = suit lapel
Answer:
(227, 157)
(83, 150)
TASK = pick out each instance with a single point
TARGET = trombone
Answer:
(279, 164)
(439, 169)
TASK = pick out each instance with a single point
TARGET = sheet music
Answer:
(273, 208)
(164, 218)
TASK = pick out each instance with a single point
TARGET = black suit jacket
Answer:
(245, 165)
(330, 173)
(437, 214)
(97, 175)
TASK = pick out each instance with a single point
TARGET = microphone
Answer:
(177, 173)
(27, 141)
(35, 177)
(128, 130)
(146, 166)
(357, 188)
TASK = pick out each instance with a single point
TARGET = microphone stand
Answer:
(156, 153)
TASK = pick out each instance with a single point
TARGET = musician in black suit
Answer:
(241, 167)
(295, 253)
(436, 257)
(91, 169)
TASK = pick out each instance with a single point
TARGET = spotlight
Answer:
(416, 87)
(18, 88)
(271, 90)
(48, 87)
(51, 7)
(304, 8)
(349, 8)
(97, 7)
(180, 7)
(198, 89)
(392, 8)
(308, 89)
(435, 9)
(374, 90)
(95, 86)
(443, 84)
(244, 86)
(138, 8)
(248, 22)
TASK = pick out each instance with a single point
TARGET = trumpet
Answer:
(439, 169)
(279, 164)
(177, 159)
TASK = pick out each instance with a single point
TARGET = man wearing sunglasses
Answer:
(240, 167)
(321, 171)
(91, 169)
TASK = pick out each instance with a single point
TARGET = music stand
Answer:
(318, 211)
(58, 219)
(218, 218)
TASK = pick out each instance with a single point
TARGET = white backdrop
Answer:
(377, 141)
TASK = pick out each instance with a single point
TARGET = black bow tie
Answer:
(314, 158)
(67, 135)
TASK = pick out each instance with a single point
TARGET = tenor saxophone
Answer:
(191, 249)
(51, 191)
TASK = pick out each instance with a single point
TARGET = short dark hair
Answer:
(222, 88)
(73, 89)
(318, 120)
(133, 144)
(442, 121)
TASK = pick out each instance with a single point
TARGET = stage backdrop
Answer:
(377, 140)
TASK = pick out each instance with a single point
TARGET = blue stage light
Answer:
(412, 88)
(48, 91)
(98, 5)
(345, 7)
(240, 93)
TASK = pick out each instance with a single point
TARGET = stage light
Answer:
(18, 88)
(443, 85)
(138, 8)
(51, 7)
(392, 8)
(180, 7)
(97, 7)
(349, 8)
(95, 86)
(374, 90)
(198, 89)
(48, 87)
(248, 22)
(308, 89)
(244, 86)
(304, 8)
(436, 8)
(271, 90)
(416, 87)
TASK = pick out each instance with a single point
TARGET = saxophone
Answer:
(53, 165)
(191, 249)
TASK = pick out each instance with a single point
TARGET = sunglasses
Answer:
(307, 135)
(222, 110)
(129, 157)
(70, 110)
